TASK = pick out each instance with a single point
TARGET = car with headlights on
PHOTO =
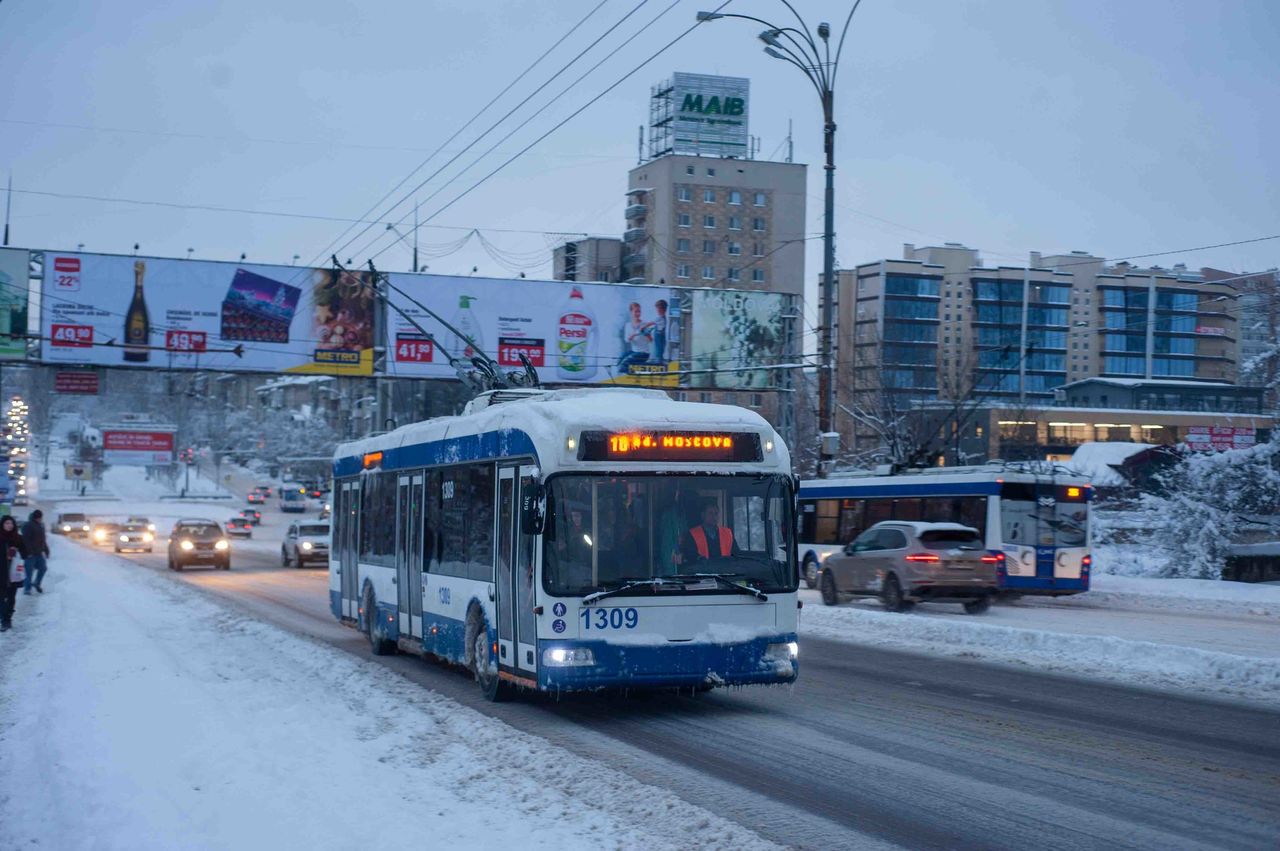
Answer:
(198, 541)
(141, 521)
(72, 524)
(305, 543)
(904, 562)
(104, 532)
(135, 537)
(240, 527)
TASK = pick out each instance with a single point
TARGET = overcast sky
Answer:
(1120, 128)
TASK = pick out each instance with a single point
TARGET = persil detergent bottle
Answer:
(466, 322)
(576, 339)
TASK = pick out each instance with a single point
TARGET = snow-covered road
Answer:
(142, 715)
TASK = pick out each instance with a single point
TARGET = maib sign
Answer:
(709, 115)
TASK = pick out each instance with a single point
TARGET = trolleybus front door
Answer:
(517, 624)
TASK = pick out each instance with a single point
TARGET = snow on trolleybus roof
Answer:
(555, 421)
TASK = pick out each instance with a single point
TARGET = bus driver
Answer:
(709, 539)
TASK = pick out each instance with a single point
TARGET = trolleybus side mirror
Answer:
(531, 502)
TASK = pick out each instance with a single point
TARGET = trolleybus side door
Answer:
(507, 519)
(409, 554)
(517, 624)
(526, 555)
(349, 505)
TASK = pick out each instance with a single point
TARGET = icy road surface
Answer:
(140, 715)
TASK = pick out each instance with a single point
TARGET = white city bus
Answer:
(1034, 518)
(543, 539)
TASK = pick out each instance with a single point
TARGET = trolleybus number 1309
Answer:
(608, 618)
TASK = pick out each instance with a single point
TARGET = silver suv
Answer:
(305, 542)
(905, 562)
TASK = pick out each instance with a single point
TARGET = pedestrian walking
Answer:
(12, 570)
(33, 535)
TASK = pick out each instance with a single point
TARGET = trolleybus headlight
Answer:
(221, 545)
(784, 652)
(186, 545)
(306, 545)
(568, 657)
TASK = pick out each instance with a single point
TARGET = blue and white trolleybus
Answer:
(1034, 518)
(573, 540)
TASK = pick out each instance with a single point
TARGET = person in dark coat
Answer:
(11, 548)
(37, 551)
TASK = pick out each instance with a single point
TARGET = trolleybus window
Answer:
(1044, 515)
(602, 531)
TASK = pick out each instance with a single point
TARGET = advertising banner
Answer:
(736, 332)
(14, 282)
(1220, 438)
(78, 471)
(572, 332)
(137, 447)
(112, 310)
(75, 382)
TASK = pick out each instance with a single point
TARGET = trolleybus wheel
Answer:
(491, 685)
(373, 627)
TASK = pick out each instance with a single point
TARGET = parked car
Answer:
(135, 537)
(241, 527)
(253, 515)
(73, 524)
(305, 542)
(141, 521)
(905, 562)
(255, 498)
(198, 541)
(105, 532)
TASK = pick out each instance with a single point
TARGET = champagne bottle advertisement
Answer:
(14, 282)
(110, 310)
(572, 332)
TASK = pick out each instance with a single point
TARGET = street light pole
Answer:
(798, 47)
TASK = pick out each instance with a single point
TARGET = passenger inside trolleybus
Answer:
(603, 532)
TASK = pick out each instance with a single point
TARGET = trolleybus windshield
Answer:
(602, 531)
(1044, 515)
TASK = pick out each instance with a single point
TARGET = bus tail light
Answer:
(1085, 564)
(924, 557)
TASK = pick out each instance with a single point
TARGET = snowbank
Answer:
(1147, 663)
(163, 719)
(1189, 595)
(1095, 460)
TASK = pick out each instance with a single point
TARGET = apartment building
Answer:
(939, 326)
(592, 259)
(716, 222)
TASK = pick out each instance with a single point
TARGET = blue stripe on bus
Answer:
(864, 491)
(676, 664)
(1049, 583)
(335, 603)
(507, 443)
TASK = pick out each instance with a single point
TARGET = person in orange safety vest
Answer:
(709, 539)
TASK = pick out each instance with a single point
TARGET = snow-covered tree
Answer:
(1209, 502)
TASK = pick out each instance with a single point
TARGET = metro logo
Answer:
(66, 264)
(713, 106)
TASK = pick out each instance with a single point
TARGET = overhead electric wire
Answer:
(535, 114)
(575, 113)
(489, 129)
(321, 254)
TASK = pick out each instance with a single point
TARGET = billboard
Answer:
(76, 382)
(572, 332)
(1220, 438)
(14, 283)
(137, 447)
(110, 310)
(735, 332)
(701, 115)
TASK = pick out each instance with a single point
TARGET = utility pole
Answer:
(798, 47)
(8, 207)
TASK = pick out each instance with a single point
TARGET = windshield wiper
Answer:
(723, 579)
(628, 585)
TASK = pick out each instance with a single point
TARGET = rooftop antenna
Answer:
(639, 147)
